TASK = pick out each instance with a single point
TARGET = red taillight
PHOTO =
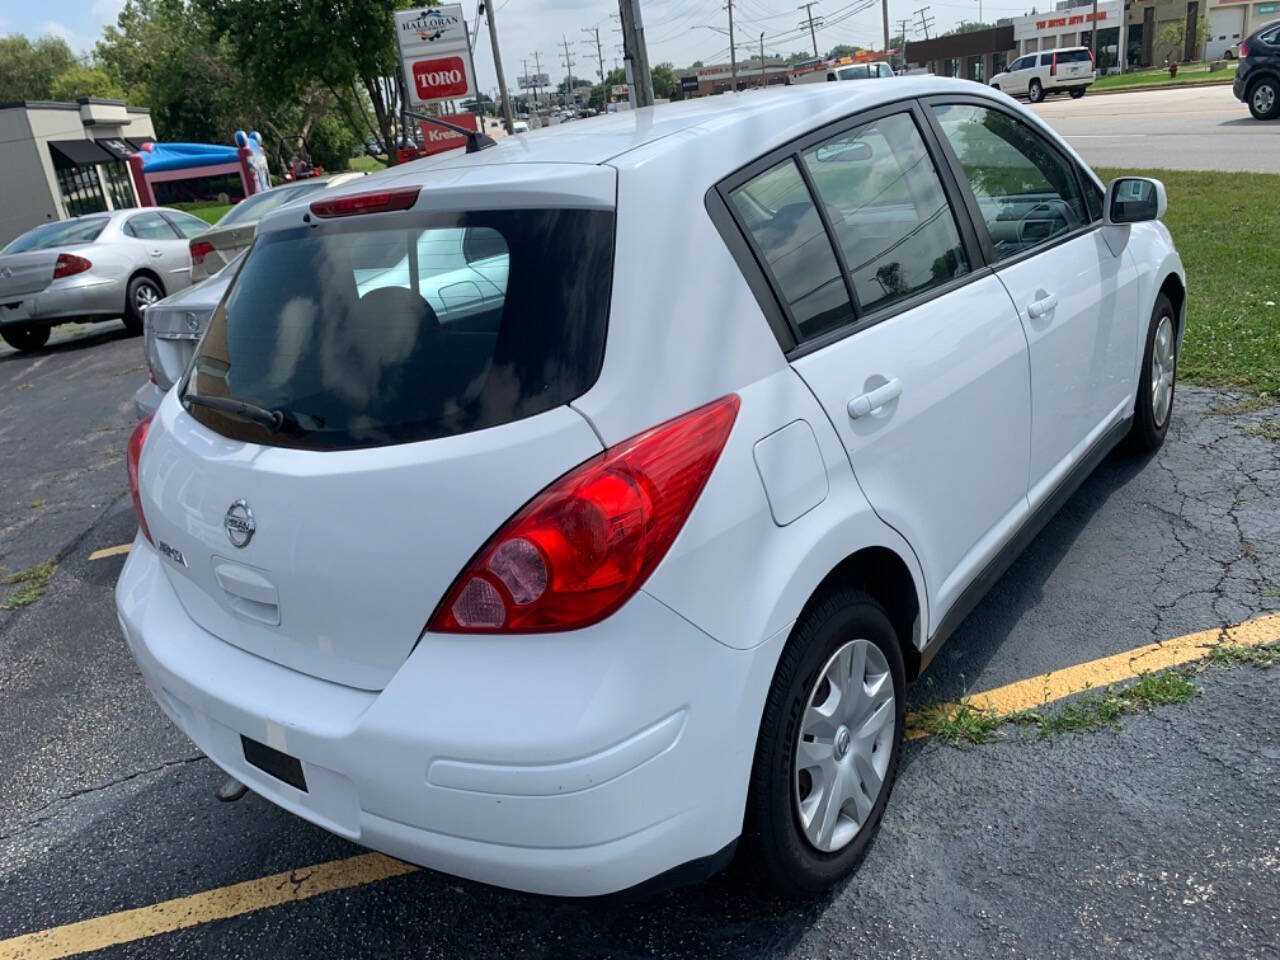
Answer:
(136, 441)
(69, 265)
(1093, 64)
(377, 201)
(199, 250)
(577, 551)
(1053, 67)
(1244, 51)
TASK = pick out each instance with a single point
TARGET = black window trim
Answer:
(970, 200)
(760, 278)
(128, 228)
(173, 221)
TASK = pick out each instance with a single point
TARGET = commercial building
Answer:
(63, 159)
(981, 54)
(718, 78)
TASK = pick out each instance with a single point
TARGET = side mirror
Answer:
(1134, 200)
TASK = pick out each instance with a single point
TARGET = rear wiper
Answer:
(273, 420)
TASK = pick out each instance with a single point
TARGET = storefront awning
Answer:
(137, 142)
(116, 146)
(77, 153)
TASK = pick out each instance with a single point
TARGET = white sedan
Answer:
(593, 572)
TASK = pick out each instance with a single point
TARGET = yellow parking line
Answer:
(217, 904)
(110, 551)
(252, 895)
(1046, 688)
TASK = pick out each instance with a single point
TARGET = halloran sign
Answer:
(435, 51)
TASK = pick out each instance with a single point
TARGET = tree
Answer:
(968, 26)
(842, 50)
(346, 47)
(798, 56)
(28, 70)
(664, 80)
(82, 81)
(1170, 43)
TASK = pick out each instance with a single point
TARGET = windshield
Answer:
(417, 328)
(58, 235)
(260, 204)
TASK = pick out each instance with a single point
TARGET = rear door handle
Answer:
(1042, 307)
(872, 400)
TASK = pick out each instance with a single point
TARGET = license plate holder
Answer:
(271, 761)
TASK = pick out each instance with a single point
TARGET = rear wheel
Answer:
(1154, 407)
(1264, 99)
(143, 292)
(829, 744)
(25, 336)
(1077, 93)
(1035, 92)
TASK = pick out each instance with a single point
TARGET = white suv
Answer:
(495, 530)
(1069, 70)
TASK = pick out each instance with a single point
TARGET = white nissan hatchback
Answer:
(565, 514)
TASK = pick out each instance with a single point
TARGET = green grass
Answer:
(1226, 656)
(1227, 230)
(33, 582)
(208, 212)
(367, 164)
(1188, 73)
(963, 724)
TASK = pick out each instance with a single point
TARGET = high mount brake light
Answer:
(199, 250)
(136, 441)
(583, 546)
(374, 201)
(68, 265)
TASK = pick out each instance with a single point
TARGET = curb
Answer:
(1139, 88)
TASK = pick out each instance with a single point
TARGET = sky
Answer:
(679, 31)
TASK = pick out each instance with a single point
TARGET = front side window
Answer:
(150, 226)
(779, 213)
(1027, 191)
(395, 328)
(888, 210)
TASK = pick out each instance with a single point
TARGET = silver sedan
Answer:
(95, 267)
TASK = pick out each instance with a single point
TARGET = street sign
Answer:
(435, 54)
(534, 80)
(438, 139)
(620, 90)
(688, 84)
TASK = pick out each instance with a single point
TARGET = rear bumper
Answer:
(88, 295)
(1239, 86)
(575, 764)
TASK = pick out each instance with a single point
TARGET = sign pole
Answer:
(497, 66)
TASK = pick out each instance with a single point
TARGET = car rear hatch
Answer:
(423, 361)
(174, 327)
(1072, 65)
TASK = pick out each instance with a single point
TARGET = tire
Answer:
(1151, 413)
(1264, 99)
(1035, 92)
(143, 291)
(785, 795)
(995, 86)
(1077, 93)
(26, 337)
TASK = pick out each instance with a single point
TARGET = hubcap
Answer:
(1263, 98)
(1162, 367)
(845, 743)
(146, 295)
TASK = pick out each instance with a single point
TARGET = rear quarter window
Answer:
(409, 328)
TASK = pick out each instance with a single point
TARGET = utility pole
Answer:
(813, 33)
(884, 8)
(537, 72)
(925, 21)
(599, 49)
(1093, 33)
(568, 66)
(763, 82)
(636, 54)
(497, 67)
(902, 34)
(733, 50)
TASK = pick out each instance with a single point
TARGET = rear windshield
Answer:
(1073, 56)
(58, 235)
(260, 204)
(424, 327)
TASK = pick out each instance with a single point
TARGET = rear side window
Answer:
(779, 213)
(150, 226)
(888, 210)
(417, 328)
(1046, 59)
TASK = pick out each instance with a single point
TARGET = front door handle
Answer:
(873, 400)
(1042, 307)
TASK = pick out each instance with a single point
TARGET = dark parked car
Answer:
(1258, 74)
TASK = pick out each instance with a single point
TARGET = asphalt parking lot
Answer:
(1157, 839)
(1183, 128)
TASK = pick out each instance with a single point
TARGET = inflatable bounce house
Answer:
(173, 172)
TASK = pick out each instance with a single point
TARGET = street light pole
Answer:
(762, 80)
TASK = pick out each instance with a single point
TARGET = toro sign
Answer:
(435, 52)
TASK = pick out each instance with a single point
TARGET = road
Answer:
(1160, 839)
(1183, 128)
